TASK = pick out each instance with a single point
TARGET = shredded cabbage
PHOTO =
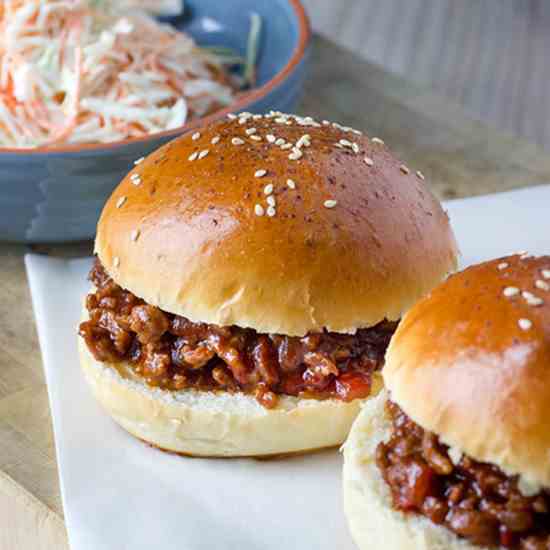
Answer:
(75, 71)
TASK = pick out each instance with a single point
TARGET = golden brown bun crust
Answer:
(217, 424)
(203, 253)
(461, 366)
(374, 523)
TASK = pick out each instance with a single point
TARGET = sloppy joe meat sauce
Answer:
(171, 352)
(476, 501)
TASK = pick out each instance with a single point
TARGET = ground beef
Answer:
(171, 352)
(476, 501)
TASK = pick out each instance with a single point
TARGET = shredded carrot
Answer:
(96, 71)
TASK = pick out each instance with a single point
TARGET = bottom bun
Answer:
(217, 424)
(374, 523)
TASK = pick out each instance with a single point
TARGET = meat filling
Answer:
(171, 352)
(476, 501)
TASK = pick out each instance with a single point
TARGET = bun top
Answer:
(278, 223)
(471, 362)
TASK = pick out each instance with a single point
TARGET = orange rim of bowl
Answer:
(247, 98)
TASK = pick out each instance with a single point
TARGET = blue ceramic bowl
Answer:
(56, 195)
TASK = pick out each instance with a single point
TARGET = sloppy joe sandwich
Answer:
(455, 452)
(248, 279)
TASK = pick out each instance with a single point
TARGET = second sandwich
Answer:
(455, 455)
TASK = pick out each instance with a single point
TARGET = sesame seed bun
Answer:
(276, 223)
(479, 346)
(216, 424)
(373, 522)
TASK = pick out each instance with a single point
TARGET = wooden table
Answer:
(488, 56)
(459, 157)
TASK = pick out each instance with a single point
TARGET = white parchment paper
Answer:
(119, 494)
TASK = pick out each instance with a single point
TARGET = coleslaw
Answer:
(74, 71)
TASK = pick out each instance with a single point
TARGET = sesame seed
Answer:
(256, 138)
(250, 131)
(257, 117)
(510, 291)
(355, 148)
(404, 169)
(304, 140)
(193, 156)
(369, 161)
(377, 140)
(271, 138)
(545, 273)
(260, 173)
(291, 184)
(135, 235)
(502, 266)
(196, 136)
(215, 139)
(281, 120)
(116, 261)
(295, 155)
(286, 146)
(357, 132)
(271, 211)
(543, 285)
(531, 299)
(280, 141)
(243, 120)
(420, 175)
(231, 116)
(271, 200)
(120, 202)
(268, 189)
(139, 161)
(524, 324)
(345, 143)
(326, 123)
(331, 203)
(259, 210)
(202, 154)
(237, 141)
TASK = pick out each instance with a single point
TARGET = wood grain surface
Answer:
(459, 157)
(488, 56)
